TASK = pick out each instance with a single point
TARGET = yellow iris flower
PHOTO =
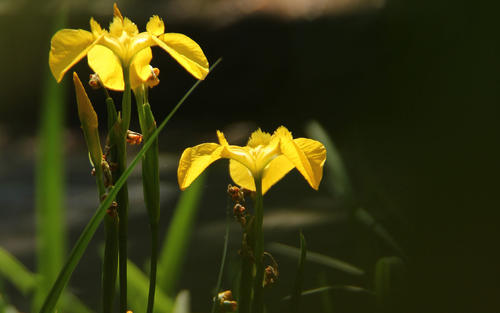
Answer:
(123, 47)
(266, 158)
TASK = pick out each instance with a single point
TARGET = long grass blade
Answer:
(49, 184)
(176, 241)
(16, 273)
(317, 258)
(138, 285)
(88, 232)
(223, 261)
(320, 290)
(299, 277)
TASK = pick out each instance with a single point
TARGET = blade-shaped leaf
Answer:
(317, 258)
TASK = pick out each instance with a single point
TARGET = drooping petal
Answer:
(241, 175)
(240, 154)
(275, 171)
(105, 63)
(67, 47)
(140, 71)
(294, 153)
(195, 160)
(186, 52)
(316, 155)
(155, 26)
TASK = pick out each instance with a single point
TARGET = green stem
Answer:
(110, 262)
(122, 197)
(258, 251)
(150, 182)
(154, 262)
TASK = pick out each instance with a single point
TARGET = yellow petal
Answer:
(186, 52)
(259, 137)
(67, 47)
(222, 138)
(116, 12)
(116, 27)
(316, 155)
(275, 171)
(140, 71)
(130, 27)
(155, 26)
(294, 153)
(104, 62)
(241, 175)
(195, 160)
(95, 28)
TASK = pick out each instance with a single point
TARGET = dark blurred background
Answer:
(408, 90)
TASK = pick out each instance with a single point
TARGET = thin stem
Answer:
(122, 197)
(110, 262)
(223, 262)
(154, 262)
(258, 251)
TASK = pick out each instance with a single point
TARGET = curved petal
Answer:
(105, 63)
(186, 52)
(294, 153)
(275, 171)
(140, 71)
(241, 175)
(316, 155)
(195, 160)
(67, 47)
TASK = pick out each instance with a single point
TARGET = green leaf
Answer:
(176, 241)
(223, 261)
(365, 218)
(88, 232)
(49, 183)
(16, 273)
(390, 284)
(317, 258)
(138, 285)
(321, 290)
(299, 277)
(181, 304)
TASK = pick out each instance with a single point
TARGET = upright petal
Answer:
(195, 160)
(155, 26)
(275, 171)
(67, 47)
(105, 63)
(316, 155)
(186, 52)
(241, 175)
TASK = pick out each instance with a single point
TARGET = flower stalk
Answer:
(151, 183)
(258, 250)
